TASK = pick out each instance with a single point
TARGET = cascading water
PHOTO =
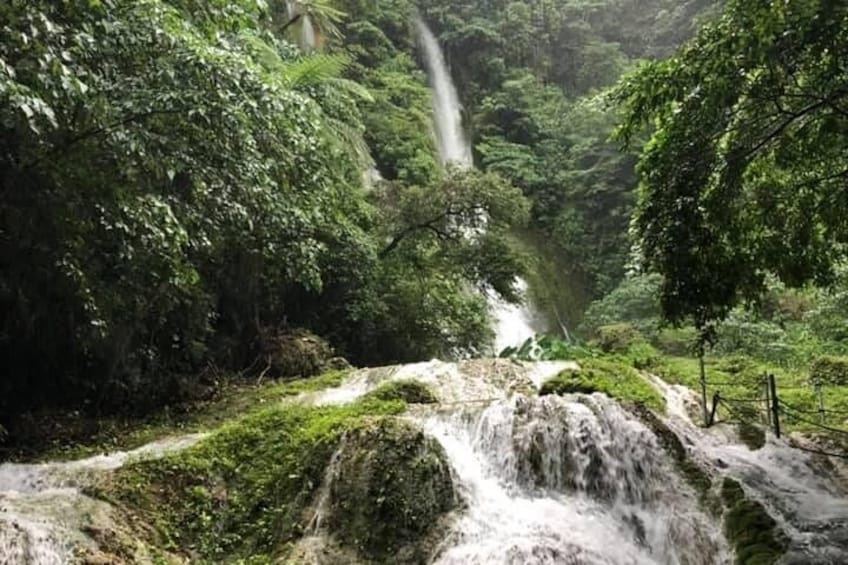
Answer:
(42, 508)
(307, 34)
(513, 323)
(805, 497)
(551, 480)
(556, 480)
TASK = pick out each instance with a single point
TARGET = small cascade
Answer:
(556, 480)
(550, 480)
(43, 511)
(512, 323)
(809, 503)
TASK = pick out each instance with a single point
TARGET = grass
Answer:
(67, 436)
(741, 379)
(612, 378)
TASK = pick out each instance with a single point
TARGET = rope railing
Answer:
(772, 408)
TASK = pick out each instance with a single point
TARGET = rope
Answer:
(815, 424)
(744, 400)
(820, 452)
(733, 412)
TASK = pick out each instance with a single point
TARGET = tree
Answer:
(745, 172)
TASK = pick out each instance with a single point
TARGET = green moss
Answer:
(74, 436)
(609, 377)
(697, 477)
(753, 534)
(409, 390)
(245, 489)
(751, 435)
(392, 486)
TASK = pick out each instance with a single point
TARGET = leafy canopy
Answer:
(745, 172)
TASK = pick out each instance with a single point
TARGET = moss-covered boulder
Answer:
(614, 379)
(244, 491)
(390, 492)
(754, 534)
(407, 390)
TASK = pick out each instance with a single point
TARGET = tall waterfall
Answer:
(513, 323)
(447, 111)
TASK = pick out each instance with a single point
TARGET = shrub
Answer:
(617, 338)
(830, 370)
(676, 341)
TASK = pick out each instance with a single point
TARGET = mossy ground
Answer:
(245, 492)
(58, 437)
(612, 378)
(407, 390)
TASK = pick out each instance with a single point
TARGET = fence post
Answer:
(775, 409)
(716, 400)
(765, 386)
(820, 396)
(704, 388)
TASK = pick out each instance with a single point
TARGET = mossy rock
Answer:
(614, 379)
(751, 435)
(408, 390)
(749, 528)
(391, 491)
(244, 491)
(692, 473)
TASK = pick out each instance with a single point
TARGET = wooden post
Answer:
(716, 399)
(820, 396)
(768, 399)
(704, 388)
(775, 409)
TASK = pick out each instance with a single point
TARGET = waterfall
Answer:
(551, 480)
(307, 36)
(513, 324)
(447, 111)
(577, 479)
(556, 480)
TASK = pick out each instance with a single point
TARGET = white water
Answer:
(307, 34)
(513, 324)
(808, 501)
(571, 480)
(43, 511)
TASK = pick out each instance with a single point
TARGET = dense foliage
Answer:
(179, 182)
(744, 174)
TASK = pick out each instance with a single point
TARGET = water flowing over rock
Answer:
(43, 512)
(808, 501)
(555, 480)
